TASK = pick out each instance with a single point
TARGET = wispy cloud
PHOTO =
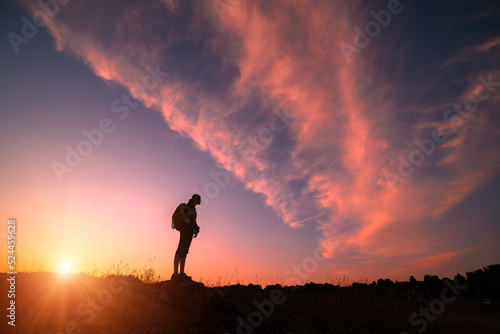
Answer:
(351, 121)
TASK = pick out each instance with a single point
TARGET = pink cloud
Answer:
(335, 142)
(440, 259)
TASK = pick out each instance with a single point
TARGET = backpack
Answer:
(180, 218)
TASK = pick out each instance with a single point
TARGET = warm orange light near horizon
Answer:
(65, 267)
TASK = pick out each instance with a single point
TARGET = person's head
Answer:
(196, 199)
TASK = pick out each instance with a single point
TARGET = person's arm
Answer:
(196, 228)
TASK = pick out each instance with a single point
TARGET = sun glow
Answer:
(65, 267)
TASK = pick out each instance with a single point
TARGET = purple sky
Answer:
(379, 151)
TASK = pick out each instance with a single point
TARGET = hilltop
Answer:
(51, 303)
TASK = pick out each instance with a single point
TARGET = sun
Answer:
(65, 267)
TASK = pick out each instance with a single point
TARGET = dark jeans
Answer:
(184, 242)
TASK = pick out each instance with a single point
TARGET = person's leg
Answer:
(182, 262)
(176, 264)
(180, 253)
(177, 257)
(187, 243)
(182, 250)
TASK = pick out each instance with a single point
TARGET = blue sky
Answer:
(222, 83)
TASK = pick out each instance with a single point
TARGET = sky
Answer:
(326, 138)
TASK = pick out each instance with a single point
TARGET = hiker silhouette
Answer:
(184, 220)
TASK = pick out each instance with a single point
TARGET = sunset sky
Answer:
(369, 129)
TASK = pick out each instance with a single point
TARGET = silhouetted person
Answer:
(184, 220)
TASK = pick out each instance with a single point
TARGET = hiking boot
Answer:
(184, 277)
(174, 277)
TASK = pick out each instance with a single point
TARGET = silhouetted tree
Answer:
(493, 273)
(486, 281)
(388, 283)
(477, 279)
(433, 285)
(460, 279)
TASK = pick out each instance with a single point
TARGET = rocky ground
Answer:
(49, 303)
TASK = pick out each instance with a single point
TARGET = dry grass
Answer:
(314, 308)
(149, 275)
